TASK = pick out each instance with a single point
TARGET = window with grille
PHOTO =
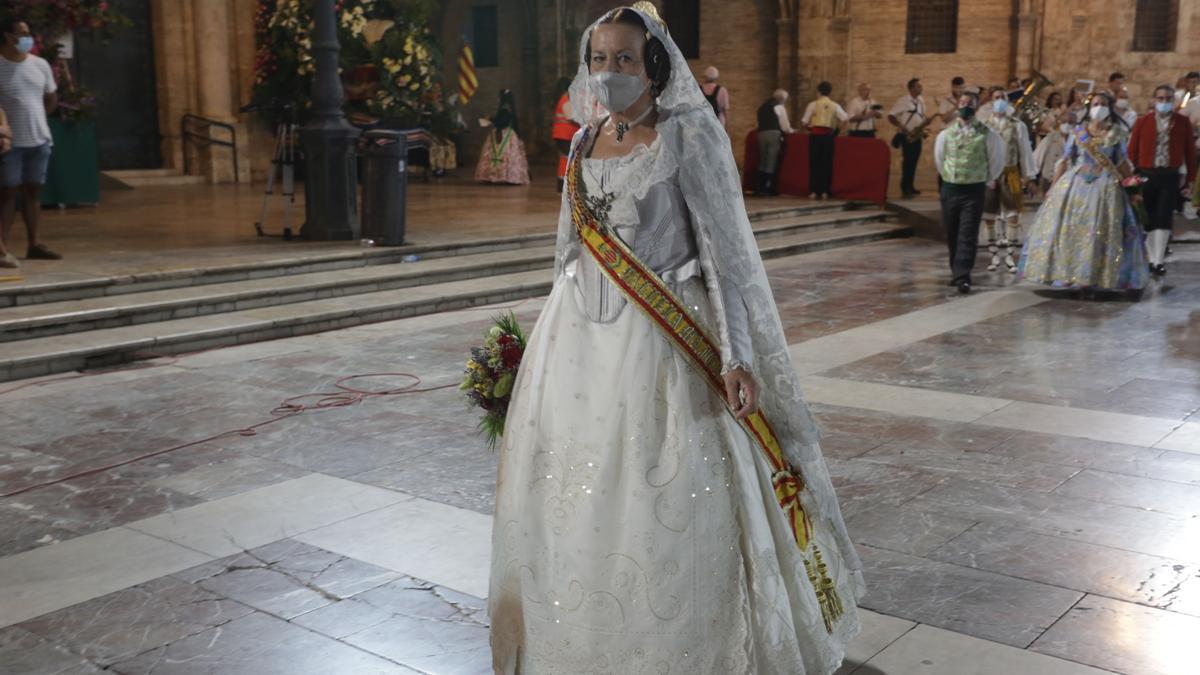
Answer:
(683, 20)
(485, 31)
(932, 27)
(1154, 25)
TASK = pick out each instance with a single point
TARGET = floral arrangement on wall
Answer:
(390, 61)
(52, 21)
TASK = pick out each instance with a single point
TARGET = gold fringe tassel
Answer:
(827, 595)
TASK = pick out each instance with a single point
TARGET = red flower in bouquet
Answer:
(491, 373)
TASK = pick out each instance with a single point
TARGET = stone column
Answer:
(213, 47)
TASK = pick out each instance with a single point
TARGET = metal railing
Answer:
(203, 140)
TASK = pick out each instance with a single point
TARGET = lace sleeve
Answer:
(703, 185)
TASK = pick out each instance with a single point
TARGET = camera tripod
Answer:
(283, 162)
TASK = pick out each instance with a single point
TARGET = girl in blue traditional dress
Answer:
(1085, 235)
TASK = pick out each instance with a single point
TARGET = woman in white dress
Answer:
(638, 523)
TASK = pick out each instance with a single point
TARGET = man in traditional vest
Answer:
(1004, 202)
(564, 128)
(1160, 145)
(822, 118)
(969, 157)
(773, 127)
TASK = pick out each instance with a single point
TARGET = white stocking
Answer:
(1156, 245)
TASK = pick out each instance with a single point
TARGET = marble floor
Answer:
(1020, 470)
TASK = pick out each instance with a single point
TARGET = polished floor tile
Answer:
(260, 644)
(133, 620)
(965, 600)
(900, 400)
(927, 650)
(252, 519)
(441, 544)
(1125, 638)
(878, 631)
(53, 577)
(1094, 424)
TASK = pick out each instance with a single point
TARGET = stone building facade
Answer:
(204, 57)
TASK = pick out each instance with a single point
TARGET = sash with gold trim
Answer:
(644, 289)
(1092, 148)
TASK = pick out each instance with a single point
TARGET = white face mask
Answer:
(616, 91)
(1065, 128)
(1122, 104)
(1099, 113)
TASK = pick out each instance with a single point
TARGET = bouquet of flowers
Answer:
(1133, 188)
(490, 374)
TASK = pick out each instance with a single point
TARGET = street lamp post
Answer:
(331, 175)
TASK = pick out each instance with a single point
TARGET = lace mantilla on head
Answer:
(681, 93)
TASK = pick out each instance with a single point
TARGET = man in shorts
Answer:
(27, 94)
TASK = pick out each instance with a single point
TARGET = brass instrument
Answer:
(1031, 110)
(920, 132)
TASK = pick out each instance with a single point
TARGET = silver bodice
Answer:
(641, 197)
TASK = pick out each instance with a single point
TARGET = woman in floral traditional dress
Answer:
(503, 157)
(648, 520)
(1085, 235)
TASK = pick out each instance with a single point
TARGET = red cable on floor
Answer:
(289, 407)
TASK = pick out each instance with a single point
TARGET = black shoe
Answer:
(964, 287)
(1159, 270)
(40, 252)
(915, 192)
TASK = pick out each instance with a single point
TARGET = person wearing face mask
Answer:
(1161, 143)
(27, 95)
(969, 157)
(647, 516)
(502, 159)
(1005, 200)
(1085, 235)
(1124, 109)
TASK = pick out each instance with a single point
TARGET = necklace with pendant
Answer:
(624, 127)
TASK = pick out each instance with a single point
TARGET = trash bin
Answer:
(384, 186)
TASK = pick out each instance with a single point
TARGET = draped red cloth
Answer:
(861, 167)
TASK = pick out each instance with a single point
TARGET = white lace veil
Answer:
(681, 93)
(711, 185)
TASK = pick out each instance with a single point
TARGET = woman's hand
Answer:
(741, 391)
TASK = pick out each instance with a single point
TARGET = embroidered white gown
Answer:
(636, 526)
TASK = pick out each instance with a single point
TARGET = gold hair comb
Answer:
(648, 8)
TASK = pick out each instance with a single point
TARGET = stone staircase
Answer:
(136, 178)
(65, 326)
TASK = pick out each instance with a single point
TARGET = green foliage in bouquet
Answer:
(491, 373)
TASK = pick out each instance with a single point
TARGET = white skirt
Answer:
(636, 527)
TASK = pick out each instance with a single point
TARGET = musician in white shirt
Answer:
(909, 118)
(863, 111)
(948, 106)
